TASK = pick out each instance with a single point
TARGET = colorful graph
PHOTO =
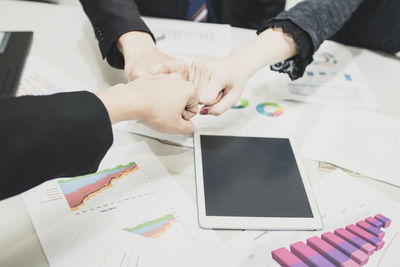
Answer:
(79, 189)
(325, 59)
(243, 103)
(270, 109)
(37, 84)
(350, 246)
(154, 228)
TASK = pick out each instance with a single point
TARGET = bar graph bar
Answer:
(345, 247)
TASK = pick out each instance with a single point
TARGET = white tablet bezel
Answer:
(254, 223)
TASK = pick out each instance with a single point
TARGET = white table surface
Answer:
(63, 36)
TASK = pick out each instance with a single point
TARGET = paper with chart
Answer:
(361, 141)
(189, 40)
(129, 213)
(41, 78)
(332, 78)
(256, 112)
(342, 200)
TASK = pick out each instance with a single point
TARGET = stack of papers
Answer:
(361, 141)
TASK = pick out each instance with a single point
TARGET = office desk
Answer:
(63, 36)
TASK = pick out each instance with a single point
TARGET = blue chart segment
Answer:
(243, 104)
(270, 109)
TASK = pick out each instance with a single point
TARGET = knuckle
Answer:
(175, 75)
(197, 61)
(190, 87)
(209, 65)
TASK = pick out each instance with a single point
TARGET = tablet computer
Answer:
(252, 182)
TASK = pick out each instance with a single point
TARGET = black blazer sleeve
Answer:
(111, 19)
(44, 137)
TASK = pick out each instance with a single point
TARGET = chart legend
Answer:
(79, 189)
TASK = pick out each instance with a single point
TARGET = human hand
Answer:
(163, 102)
(142, 56)
(219, 82)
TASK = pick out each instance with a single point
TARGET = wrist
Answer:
(244, 60)
(113, 99)
(135, 43)
(270, 47)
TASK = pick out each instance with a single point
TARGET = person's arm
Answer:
(111, 19)
(310, 22)
(221, 81)
(126, 41)
(288, 41)
(43, 137)
(142, 56)
(68, 134)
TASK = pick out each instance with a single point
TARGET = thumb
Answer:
(187, 114)
(209, 92)
(224, 104)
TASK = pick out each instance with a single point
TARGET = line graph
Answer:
(79, 189)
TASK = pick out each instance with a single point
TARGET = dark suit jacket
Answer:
(44, 137)
(112, 18)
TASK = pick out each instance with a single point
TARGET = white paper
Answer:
(41, 78)
(361, 141)
(342, 200)
(332, 78)
(94, 235)
(4, 37)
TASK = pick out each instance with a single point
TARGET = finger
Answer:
(192, 71)
(183, 69)
(133, 75)
(185, 126)
(187, 115)
(191, 108)
(204, 109)
(224, 104)
(197, 74)
(178, 66)
(210, 91)
(159, 69)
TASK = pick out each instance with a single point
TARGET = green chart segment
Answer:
(154, 228)
(270, 109)
(243, 104)
(77, 190)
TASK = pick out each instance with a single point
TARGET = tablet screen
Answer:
(252, 177)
